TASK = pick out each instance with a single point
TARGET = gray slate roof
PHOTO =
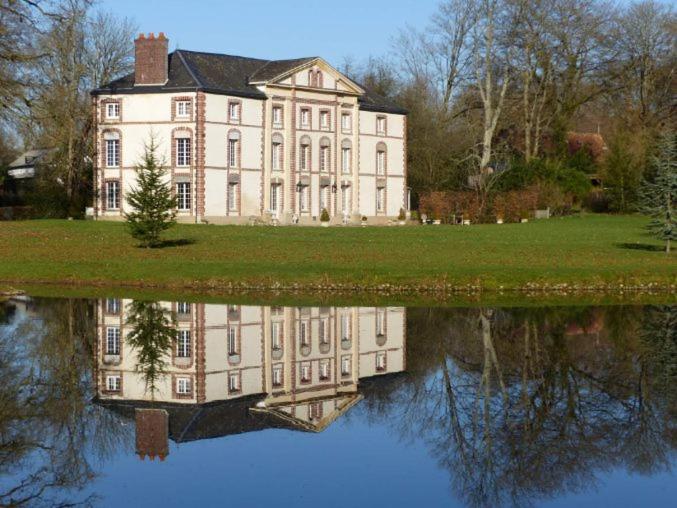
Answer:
(228, 75)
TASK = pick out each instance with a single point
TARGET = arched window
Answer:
(233, 149)
(381, 158)
(277, 153)
(304, 154)
(182, 147)
(325, 155)
(346, 155)
(319, 79)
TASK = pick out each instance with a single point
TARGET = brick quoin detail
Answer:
(200, 136)
(97, 151)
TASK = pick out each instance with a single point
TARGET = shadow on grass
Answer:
(164, 244)
(641, 246)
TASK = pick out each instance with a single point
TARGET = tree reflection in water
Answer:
(518, 405)
(522, 405)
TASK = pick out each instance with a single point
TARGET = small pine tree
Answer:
(324, 216)
(152, 201)
(658, 196)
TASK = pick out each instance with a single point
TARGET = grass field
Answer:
(602, 252)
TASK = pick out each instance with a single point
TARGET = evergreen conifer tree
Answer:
(152, 200)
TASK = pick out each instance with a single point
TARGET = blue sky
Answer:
(277, 28)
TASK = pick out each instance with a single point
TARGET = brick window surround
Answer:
(183, 132)
(191, 109)
(104, 110)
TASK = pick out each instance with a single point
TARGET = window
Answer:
(305, 117)
(113, 340)
(345, 199)
(183, 386)
(311, 78)
(277, 375)
(345, 365)
(183, 344)
(304, 198)
(234, 382)
(345, 327)
(319, 81)
(305, 372)
(324, 197)
(113, 195)
(323, 329)
(381, 361)
(232, 341)
(380, 124)
(304, 333)
(183, 152)
(380, 199)
(232, 197)
(277, 115)
(315, 410)
(112, 306)
(277, 155)
(324, 119)
(324, 159)
(183, 109)
(304, 155)
(183, 308)
(276, 335)
(380, 162)
(345, 122)
(345, 159)
(324, 370)
(232, 152)
(274, 197)
(113, 110)
(380, 322)
(113, 383)
(234, 111)
(183, 195)
(112, 153)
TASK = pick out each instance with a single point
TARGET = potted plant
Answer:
(402, 217)
(499, 218)
(364, 221)
(324, 218)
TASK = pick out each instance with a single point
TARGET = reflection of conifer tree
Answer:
(153, 333)
(659, 337)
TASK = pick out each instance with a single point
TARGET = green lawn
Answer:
(586, 252)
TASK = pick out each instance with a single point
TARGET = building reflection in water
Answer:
(234, 369)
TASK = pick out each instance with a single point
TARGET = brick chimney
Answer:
(151, 65)
(152, 433)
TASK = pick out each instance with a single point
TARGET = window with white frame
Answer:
(234, 111)
(380, 322)
(113, 340)
(381, 361)
(381, 124)
(113, 152)
(323, 331)
(277, 375)
(305, 372)
(232, 341)
(345, 199)
(232, 152)
(183, 308)
(277, 155)
(345, 327)
(183, 109)
(275, 197)
(315, 410)
(113, 195)
(324, 159)
(277, 116)
(304, 333)
(305, 117)
(113, 383)
(380, 162)
(183, 196)
(234, 382)
(304, 155)
(276, 335)
(346, 122)
(345, 365)
(113, 110)
(324, 197)
(112, 306)
(345, 159)
(324, 370)
(380, 199)
(324, 119)
(183, 344)
(183, 386)
(183, 152)
(304, 198)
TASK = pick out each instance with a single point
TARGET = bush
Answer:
(402, 215)
(415, 216)
(324, 216)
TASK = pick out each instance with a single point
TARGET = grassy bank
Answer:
(600, 252)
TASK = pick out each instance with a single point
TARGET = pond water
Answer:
(113, 402)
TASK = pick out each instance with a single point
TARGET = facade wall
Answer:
(232, 189)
